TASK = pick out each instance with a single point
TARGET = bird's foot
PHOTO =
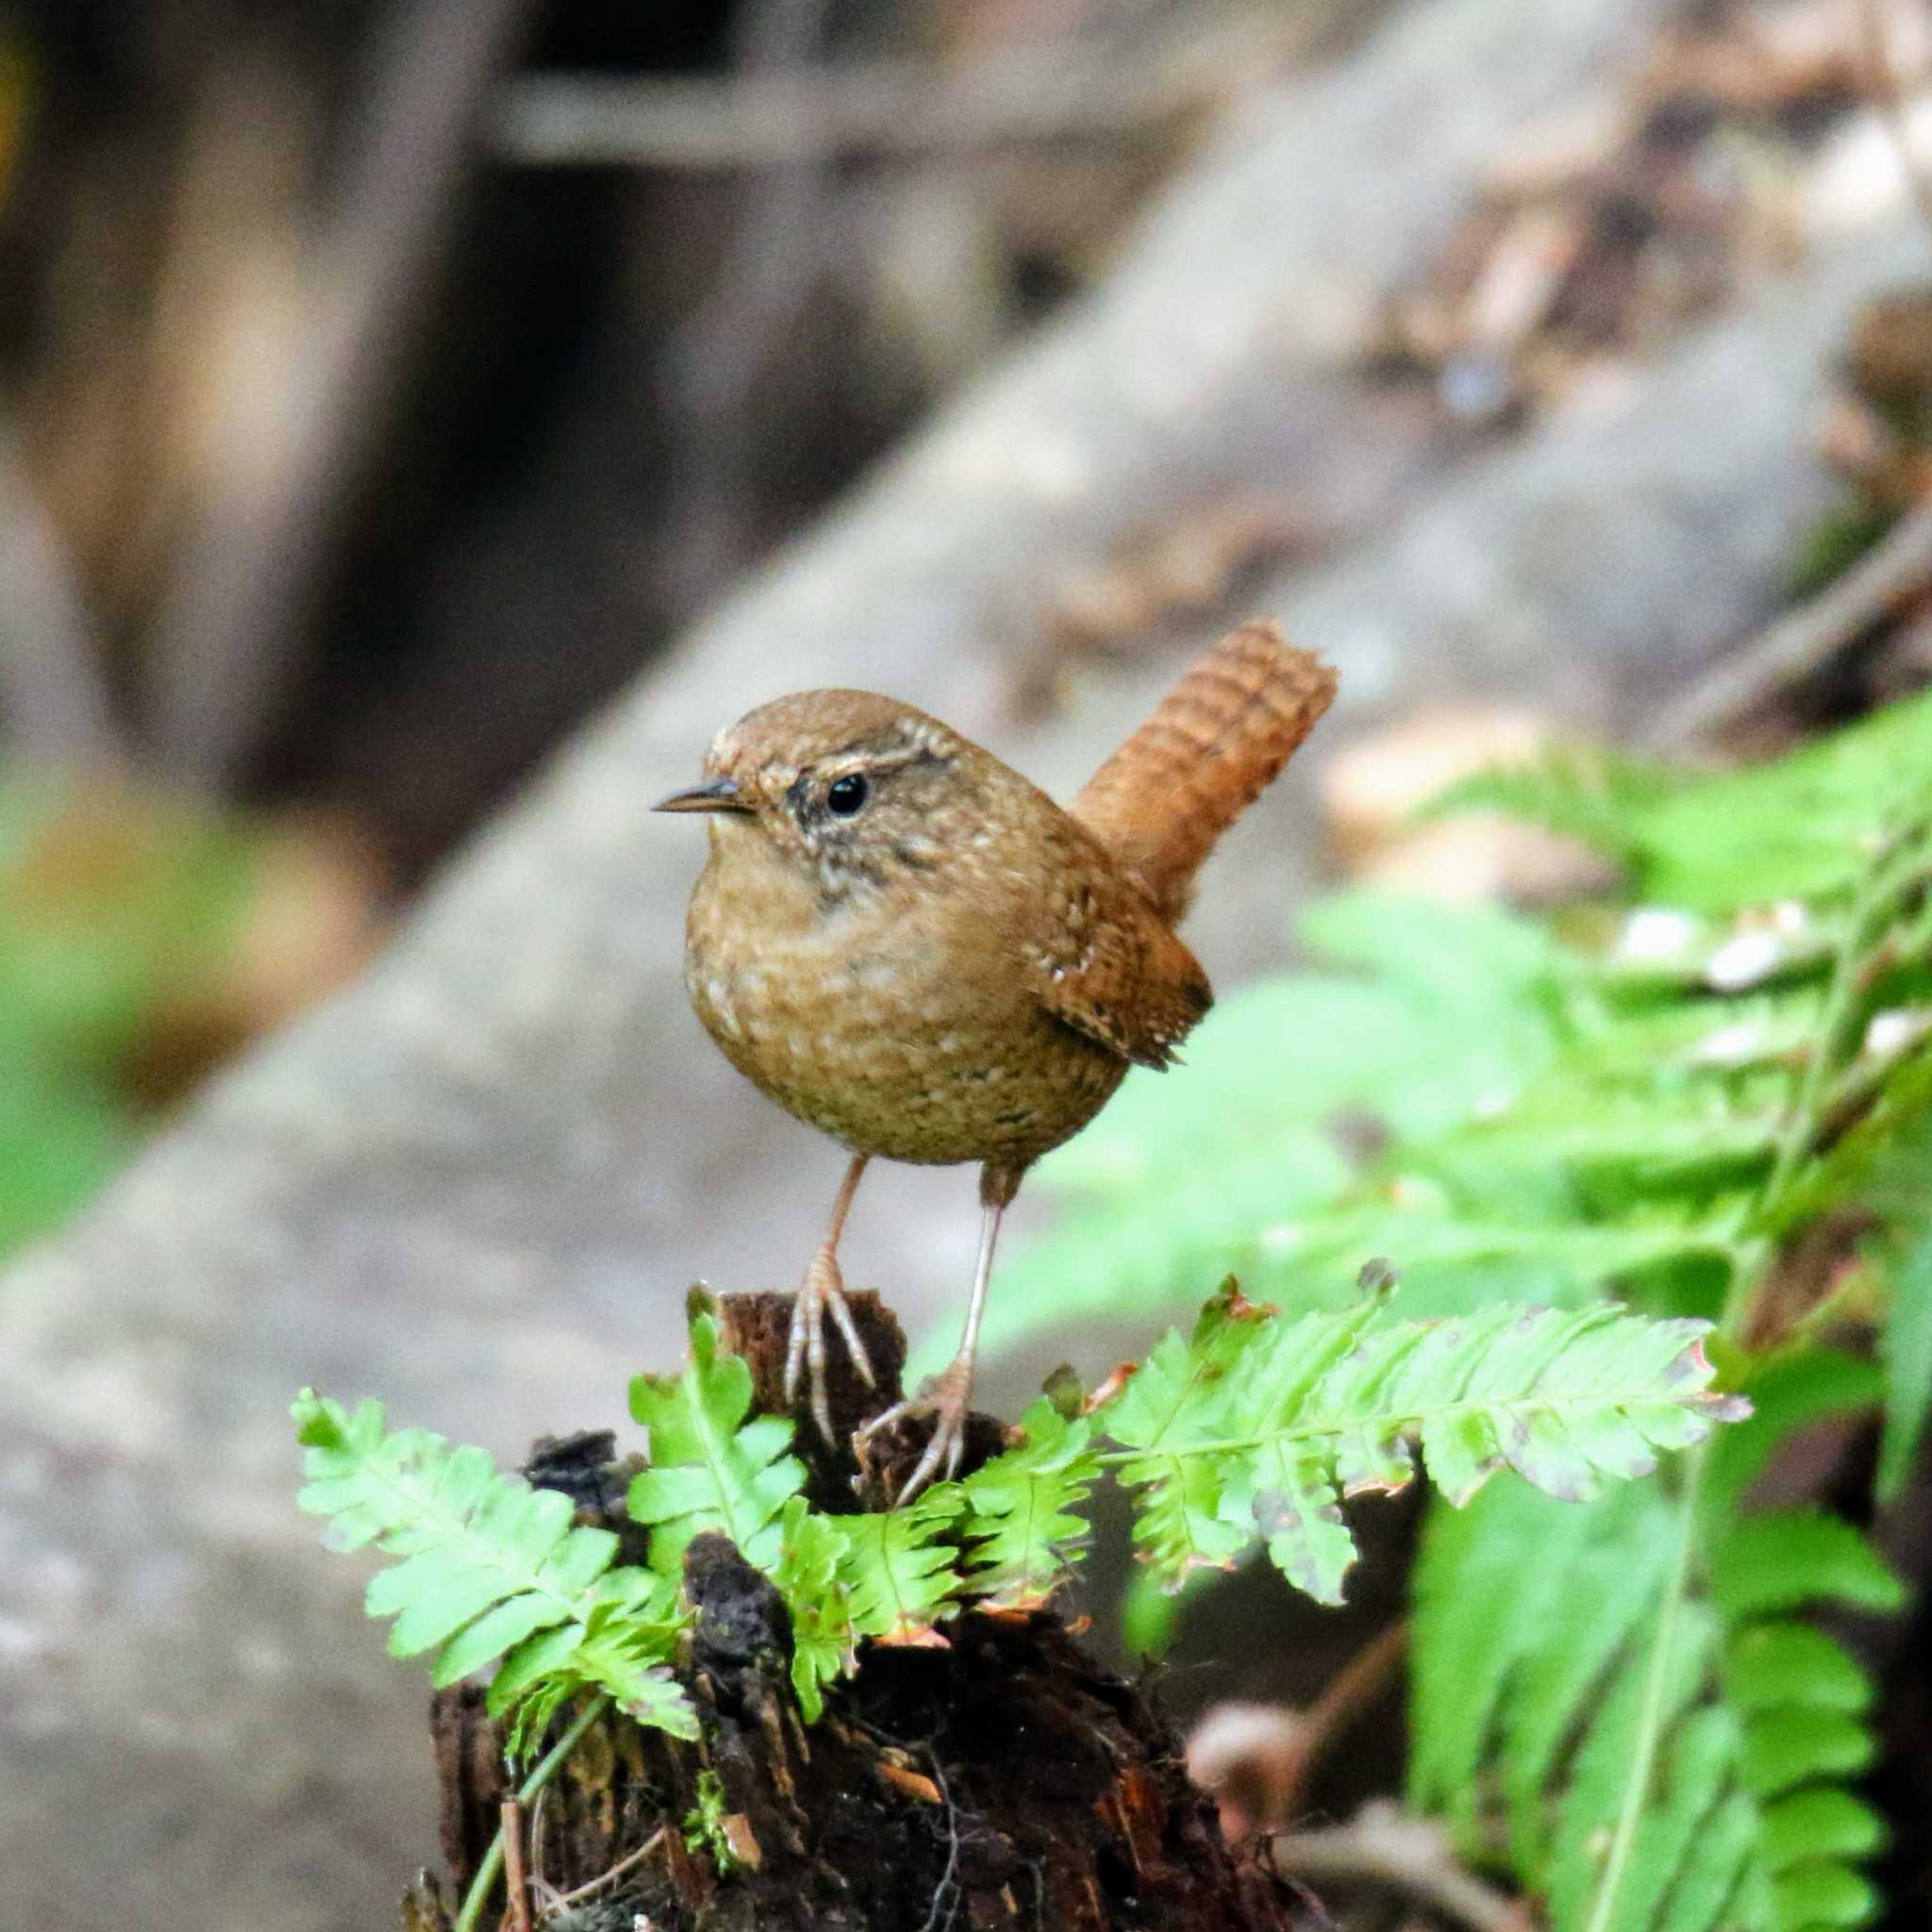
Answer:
(945, 1398)
(822, 1289)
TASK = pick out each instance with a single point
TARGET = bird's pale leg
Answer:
(822, 1289)
(949, 1395)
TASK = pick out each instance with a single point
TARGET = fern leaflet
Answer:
(1268, 1425)
(491, 1569)
(1532, 1629)
(714, 1465)
(899, 1575)
(1022, 1540)
(1582, 791)
(1893, 1178)
(809, 1577)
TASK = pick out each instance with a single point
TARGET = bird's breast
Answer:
(900, 1023)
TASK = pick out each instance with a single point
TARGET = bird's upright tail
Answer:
(1210, 748)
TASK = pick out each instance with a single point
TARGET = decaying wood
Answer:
(1000, 1779)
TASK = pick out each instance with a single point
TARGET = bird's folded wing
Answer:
(1124, 981)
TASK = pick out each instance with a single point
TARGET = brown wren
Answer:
(903, 941)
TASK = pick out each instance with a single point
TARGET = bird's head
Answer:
(852, 790)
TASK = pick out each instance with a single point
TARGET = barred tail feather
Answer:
(1211, 747)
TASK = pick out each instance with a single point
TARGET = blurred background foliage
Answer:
(104, 911)
(143, 941)
(324, 459)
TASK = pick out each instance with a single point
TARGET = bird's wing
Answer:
(1110, 967)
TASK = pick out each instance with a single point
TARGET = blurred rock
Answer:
(1373, 789)
(1480, 857)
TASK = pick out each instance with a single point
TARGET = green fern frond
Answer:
(1174, 1405)
(1522, 1605)
(1802, 828)
(1265, 1425)
(1885, 1166)
(1533, 1640)
(714, 1465)
(1906, 1351)
(811, 1550)
(487, 1558)
(1790, 1390)
(491, 1569)
(1022, 1540)
(1457, 1258)
(899, 1573)
(1582, 791)
(1672, 1748)
(624, 1651)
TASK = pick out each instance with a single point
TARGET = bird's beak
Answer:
(714, 794)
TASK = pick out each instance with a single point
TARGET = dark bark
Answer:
(999, 1779)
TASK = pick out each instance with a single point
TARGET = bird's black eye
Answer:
(845, 797)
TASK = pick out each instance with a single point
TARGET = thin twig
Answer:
(1344, 1699)
(947, 1878)
(539, 1819)
(1385, 1846)
(1889, 92)
(946, 1891)
(591, 1886)
(552, 1762)
(515, 1880)
(1899, 567)
(887, 107)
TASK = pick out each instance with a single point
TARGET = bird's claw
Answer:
(805, 1349)
(945, 1399)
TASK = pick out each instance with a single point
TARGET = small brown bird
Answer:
(903, 941)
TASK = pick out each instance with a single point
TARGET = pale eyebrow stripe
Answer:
(866, 760)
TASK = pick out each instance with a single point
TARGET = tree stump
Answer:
(1000, 1779)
